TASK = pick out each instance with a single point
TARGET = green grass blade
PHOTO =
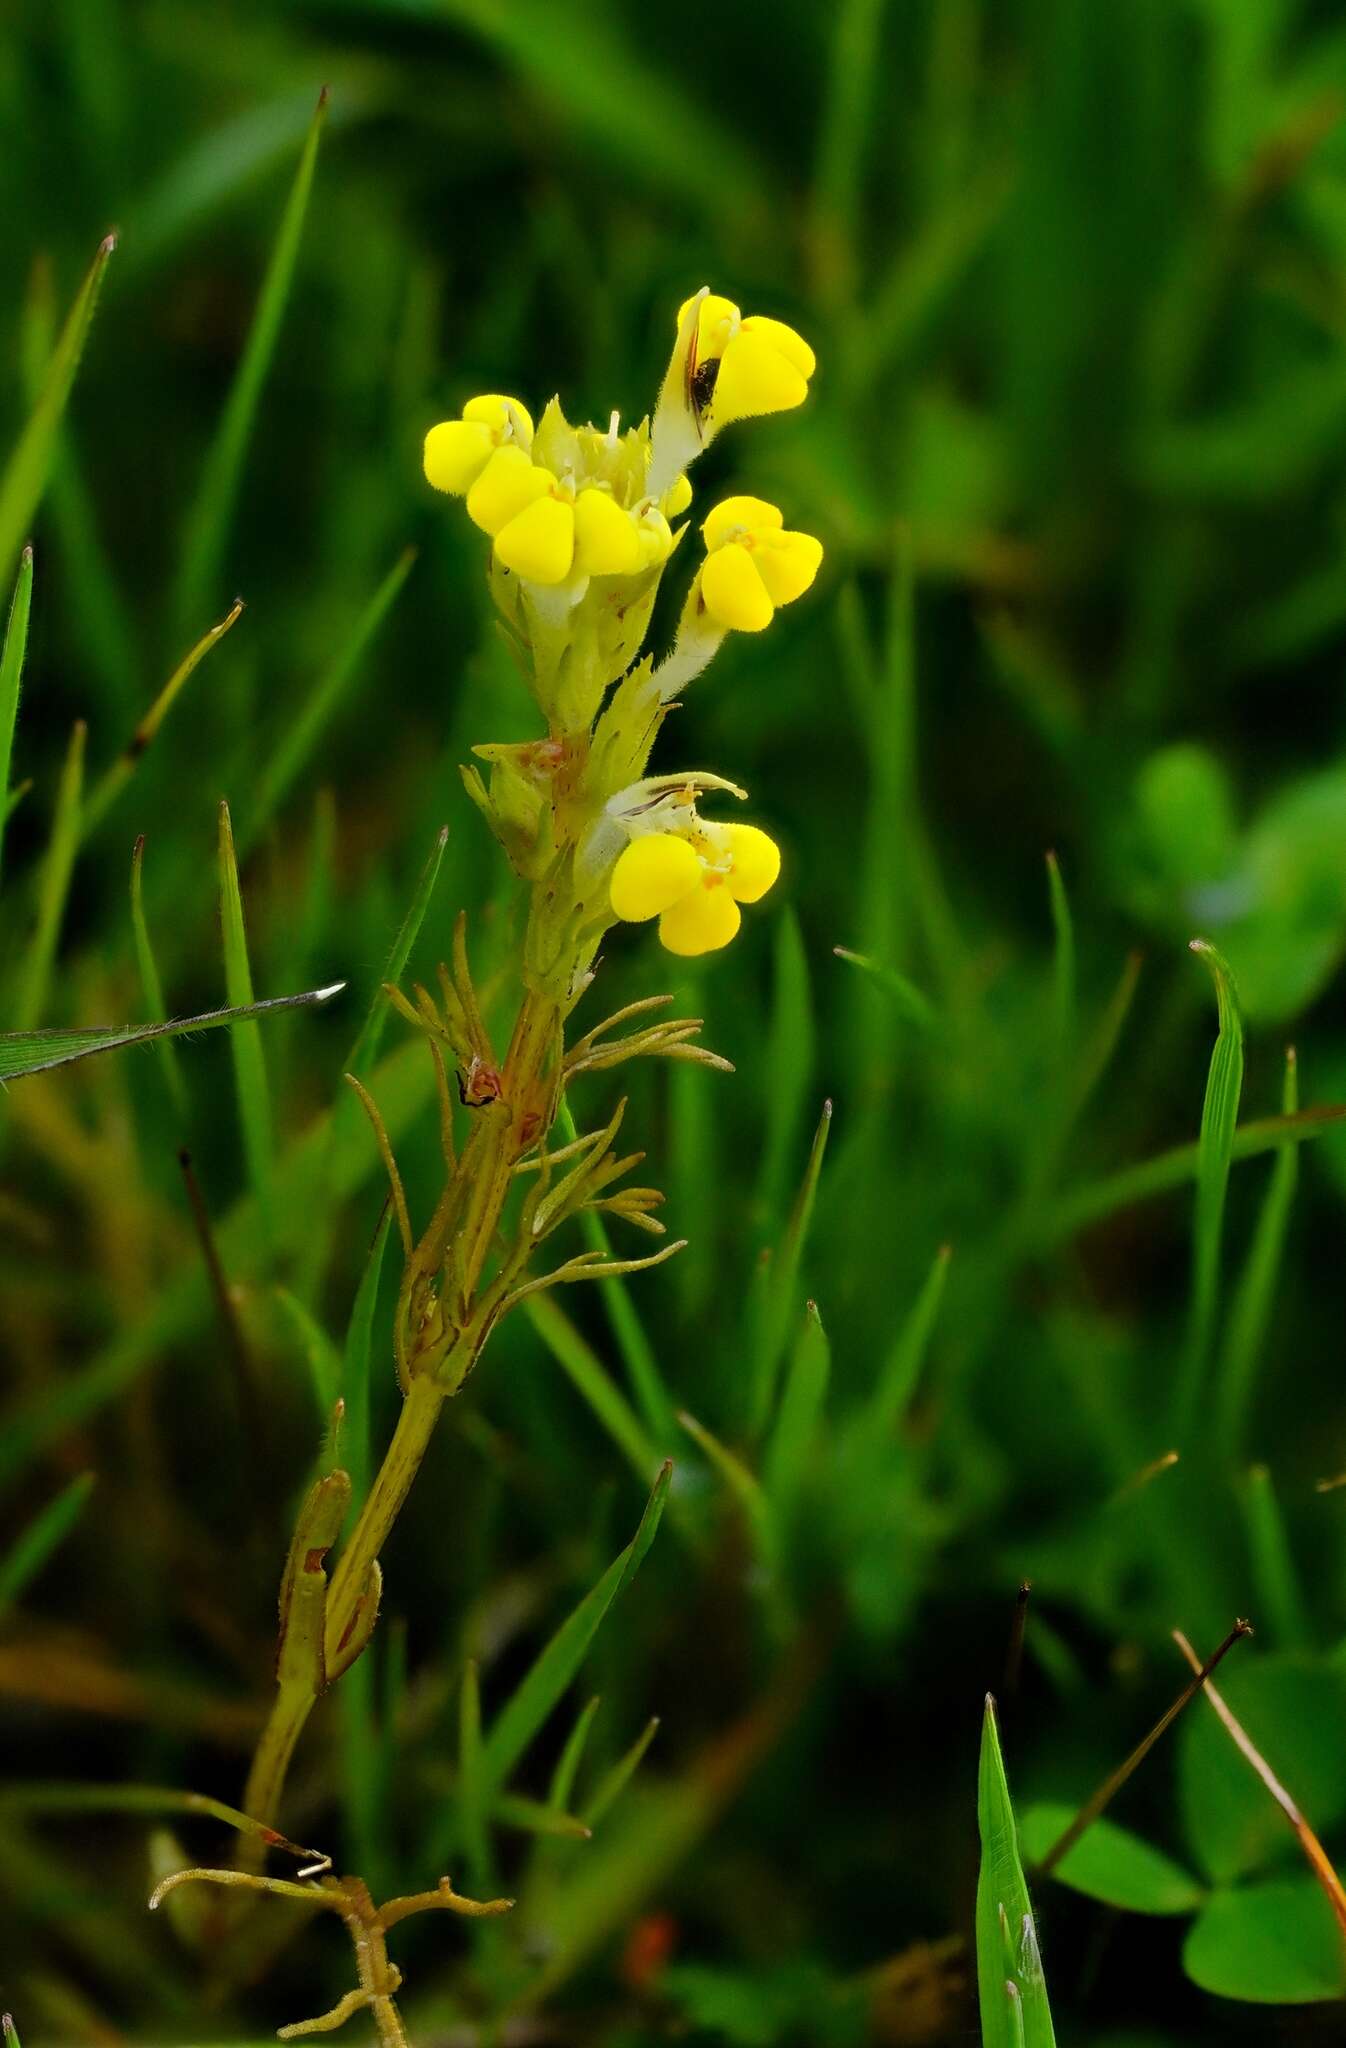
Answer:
(211, 516)
(778, 1302)
(634, 1347)
(355, 1363)
(361, 1749)
(1010, 1983)
(35, 1052)
(320, 1353)
(254, 1094)
(291, 755)
(49, 1528)
(473, 1794)
(1219, 1119)
(902, 1367)
(365, 1050)
(151, 986)
(843, 133)
(25, 476)
(1280, 1597)
(53, 887)
(1063, 958)
(788, 1064)
(11, 674)
(798, 1421)
(612, 1786)
(556, 1665)
(586, 1372)
(906, 998)
(743, 1484)
(113, 782)
(568, 1763)
(1254, 1298)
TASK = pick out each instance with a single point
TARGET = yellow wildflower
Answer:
(456, 451)
(694, 883)
(738, 369)
(752, 564)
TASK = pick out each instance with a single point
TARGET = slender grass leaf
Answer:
(34, 1052)
(787, 1067)
(531, 1817)
(778, 1302)
(53, 888)
(355, 1366)
(1254, 1298)
(11, 674)
(904, 995)
(369, 1038)
(634, 1347)
(845, 128)
(587, 1374)
(151, 986)
(556, 1665)
(291, 754)
(1275, 1943)
(1010, 1983)
(111, 784)
(474, 1794)
(320, 1353)
(611, 1787)
(1111, 1864)
(211, 516)
(250, 1081)
(743, 1484)
(362, 1798)
(1280, 1597)
(902, 1367)
(568, 1763)
(1063, 958)
(25, 476)
(1219, 1119)
(48, 1529)
(794, 1439)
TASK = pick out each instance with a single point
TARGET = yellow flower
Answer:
(546, 532)
(738, 369)
(694, 883)
(456, 451)
(752, 564)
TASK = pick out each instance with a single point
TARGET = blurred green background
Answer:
(1076, 274)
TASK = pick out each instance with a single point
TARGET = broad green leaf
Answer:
(24, 479)
(1110, 1864)
(211, 515)
(33, 1052)
(11, 674)
(1010, 1983)
(1276, 1943)
(1294, 1710)
(250, 1080)
(1219, 1117)
(555, 1666)
(48, 1529)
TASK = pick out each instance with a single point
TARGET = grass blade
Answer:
(1279, 1594)
(151, 986)
(1250, 1310)
(211, 516)
(25, 476)
(360, 1746)
(901, 1370)
(111, 785)
(1219, 1118)
(48, 1529)
(585, 1370)
(555, 1666)
(788, 1063)
(778, 1301)
(568, 1763)
(1063, 958)
(355, 1385)
(904, 995)
(1010, 1983)
(291, 755)
(612, 1786)
(254, 1095)
(35, 1052)
(11, 674)
(797, 1423)
(53, 887)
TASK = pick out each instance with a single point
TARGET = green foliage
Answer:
(1010, 1984)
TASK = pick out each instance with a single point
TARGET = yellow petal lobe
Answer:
(456, 451)
(496, 411)
(755, 862)
(653, 872)
(755, 378)
(700, 922)
(787, 563)
(733, 592)
(733, 515)
(539, 543)
(676, 498)
(606, 540)
(792, 346)
(507, 483)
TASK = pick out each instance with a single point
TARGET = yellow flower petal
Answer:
(539, 544)
(606, 540)
(456, 452)
(715, 322)
(732, 514)
(787, 563)
(676, 498)
(498, 412)
(656, 538)
(755, 378)
(700, 922)
(508, 483)
(733, 592)
(755, 859)
(792, 346)
(653, 872)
